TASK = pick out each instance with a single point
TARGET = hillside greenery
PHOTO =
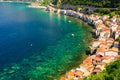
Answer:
(105, 11)
(112, 72)
(105, 5)
(118, 39)
(98, 3)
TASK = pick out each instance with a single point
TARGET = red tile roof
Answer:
(87, 60)
(116, 42)
(101, 50)
(90, 68)
(98, 59)
(101, 41)
(70, 73)
(110, 39)
(103, 45)
(79, 73)
(98, 55)
(97, 70)
(80, 78)
(105, 29)
(62, 78)
(107, 57)
(114, 49)
(118, 28)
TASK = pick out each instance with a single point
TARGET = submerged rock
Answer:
(49, 77)
(38, 68)
(11, 71)
(5, 69)
(72, 35)
(69, 21)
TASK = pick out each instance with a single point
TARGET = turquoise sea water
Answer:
(37, 45)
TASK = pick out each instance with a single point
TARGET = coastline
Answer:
(43, 7)
(66, 40)
(102, 40)
(32, 5)
(103, 50)
(36, 5)
(15, 1)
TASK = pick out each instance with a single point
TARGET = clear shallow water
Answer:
(36, 45)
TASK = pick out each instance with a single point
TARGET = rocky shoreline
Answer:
(36, 5)
(103, 50)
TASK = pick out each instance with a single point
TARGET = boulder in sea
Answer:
(72, 35)
(69, 21)
(15, 67)
(11, 71)
(5, 69)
